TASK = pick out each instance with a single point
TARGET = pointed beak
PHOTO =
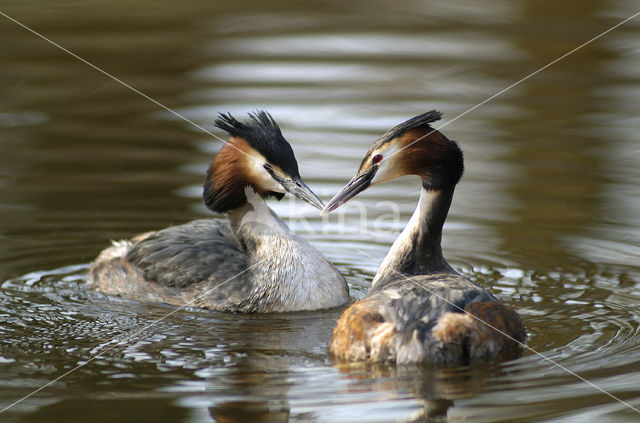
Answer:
(298, 188)
(355, 186)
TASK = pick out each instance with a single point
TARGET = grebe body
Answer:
(249, 263)
(419, 309)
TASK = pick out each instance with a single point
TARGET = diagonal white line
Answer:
(511, 338)
(514, 84)
(151, 99)
(102, 71)
(210, 133)
(253, 158)
(127, 338)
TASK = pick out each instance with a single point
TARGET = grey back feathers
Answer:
(181, 256)
(427, 297)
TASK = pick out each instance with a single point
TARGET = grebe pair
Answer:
(418, 307)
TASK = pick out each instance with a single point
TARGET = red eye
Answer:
(377, 158)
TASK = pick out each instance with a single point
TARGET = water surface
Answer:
(546, 216)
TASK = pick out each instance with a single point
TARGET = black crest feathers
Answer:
(227, 175)
(262, 133)
(423, 120)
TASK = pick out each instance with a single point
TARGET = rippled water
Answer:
(546, 216)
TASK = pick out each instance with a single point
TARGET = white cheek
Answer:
(382, 173)
(271, 184)
(387, 170)
(263, 178)
(388, 167)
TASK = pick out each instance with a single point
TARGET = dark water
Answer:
(547, 215)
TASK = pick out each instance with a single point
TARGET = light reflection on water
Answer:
(545, 217)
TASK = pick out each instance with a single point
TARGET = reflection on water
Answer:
(545, 216)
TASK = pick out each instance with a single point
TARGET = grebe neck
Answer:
(254, 220)
(287, 273)
(417, 250)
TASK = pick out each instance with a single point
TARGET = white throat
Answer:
(417, 249)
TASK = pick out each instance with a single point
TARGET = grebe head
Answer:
(256, 155)
(410, 148)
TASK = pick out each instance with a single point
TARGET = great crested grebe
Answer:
(418, 308)
(250, 263)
